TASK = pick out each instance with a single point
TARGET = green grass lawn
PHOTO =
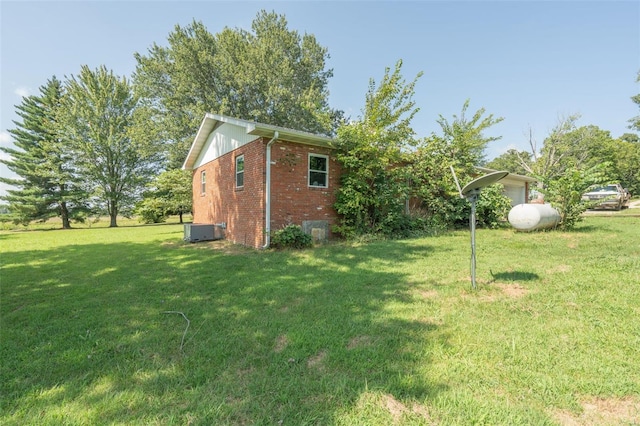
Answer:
(372, 334)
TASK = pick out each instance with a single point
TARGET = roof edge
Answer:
(211, 121)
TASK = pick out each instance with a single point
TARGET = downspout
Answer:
(267, 192)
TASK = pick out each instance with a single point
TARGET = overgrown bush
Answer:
(374, 182)
(492, 207)
(291, 236)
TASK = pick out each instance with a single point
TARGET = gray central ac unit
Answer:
(194, 232)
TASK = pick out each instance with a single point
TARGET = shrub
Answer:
(291, 236)
(492, 207)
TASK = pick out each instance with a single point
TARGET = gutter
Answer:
(267, 192)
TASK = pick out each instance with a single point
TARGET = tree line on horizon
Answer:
(98, 143)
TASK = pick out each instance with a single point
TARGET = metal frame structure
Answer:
(471, 192)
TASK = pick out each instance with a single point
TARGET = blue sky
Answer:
(529, 62)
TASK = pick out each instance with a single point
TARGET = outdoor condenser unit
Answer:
(194, 232)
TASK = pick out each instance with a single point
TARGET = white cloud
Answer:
(22, 91)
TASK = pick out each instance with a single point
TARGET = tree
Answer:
(511, 161)
(635, 121)
(169, 193)
(567, 147)
(626, 163)
(570, 161)
(629, 152)
(96, 116)
(270, 74)
(48, 184)
(374, 185)
(464, 137)
(630, 137)
(548, 160)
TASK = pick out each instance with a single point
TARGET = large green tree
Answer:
(511, 161)
(553, 157)
(374, 184)
(48, 185)
(571, 160)
(571, 147)
(626, 163)
(96, 116)
(270, 74)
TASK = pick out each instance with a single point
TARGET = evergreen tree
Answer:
(47, 185)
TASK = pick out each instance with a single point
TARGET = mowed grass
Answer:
(370, 334)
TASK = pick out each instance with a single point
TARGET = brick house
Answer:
(255, 178)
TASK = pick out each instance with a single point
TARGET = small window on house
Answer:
(240, 171)
(318, 170)
(203, 182)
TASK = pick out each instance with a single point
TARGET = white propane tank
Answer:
(531, 217)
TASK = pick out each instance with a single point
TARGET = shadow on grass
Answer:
(272, 337)
(514, 276)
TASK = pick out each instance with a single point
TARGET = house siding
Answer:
(224, 139)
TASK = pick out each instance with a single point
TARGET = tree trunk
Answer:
(180, 214)
(64, 214)
(113, 214)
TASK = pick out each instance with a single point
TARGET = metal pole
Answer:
(472, 224)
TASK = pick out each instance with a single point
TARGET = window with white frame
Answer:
(240, 171)
(203, 182)
(318, 170)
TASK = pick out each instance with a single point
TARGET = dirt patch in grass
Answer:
(282, 342)
(398, 410)
(512, 290)
(559, 269)
(222, 246)
(602, 411)
(359, 342)
(394, 407)
(317, 361)
(427, 294)
(502, 290)
(572, 241)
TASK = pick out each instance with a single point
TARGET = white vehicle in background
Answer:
(608, 196)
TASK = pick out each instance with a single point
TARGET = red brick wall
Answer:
(241, 208)
(292, 200)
